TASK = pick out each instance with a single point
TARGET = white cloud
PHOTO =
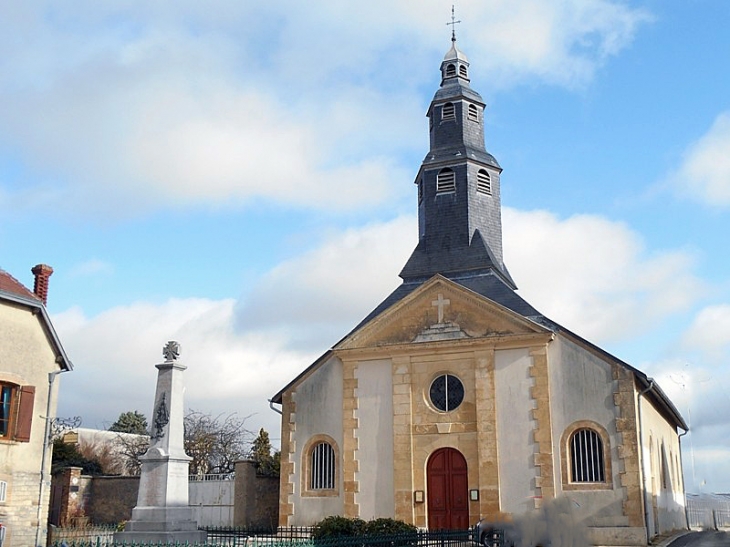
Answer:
(705, 171)
(593, 275)
(112, 109)
(709, 333)
(322, 294)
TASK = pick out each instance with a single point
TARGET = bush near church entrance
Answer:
(335, 526)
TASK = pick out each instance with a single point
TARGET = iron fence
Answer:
(288, 537)
(89, 535)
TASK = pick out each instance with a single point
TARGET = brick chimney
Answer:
(41, 272)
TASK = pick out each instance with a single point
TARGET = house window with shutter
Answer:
(16, 411)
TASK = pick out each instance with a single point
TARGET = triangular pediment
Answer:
(439, 310)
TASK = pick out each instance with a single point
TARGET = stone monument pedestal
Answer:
(162, 514)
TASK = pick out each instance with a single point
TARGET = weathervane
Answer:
(453, 24)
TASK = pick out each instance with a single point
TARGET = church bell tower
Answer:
(459, 209)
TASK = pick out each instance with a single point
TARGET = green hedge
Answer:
(335, 526)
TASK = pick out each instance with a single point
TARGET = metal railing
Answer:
(89, 535)
(288, 537)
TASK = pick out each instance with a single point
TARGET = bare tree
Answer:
(215, 443)
(130, 448)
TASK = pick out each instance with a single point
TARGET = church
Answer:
(455, 399)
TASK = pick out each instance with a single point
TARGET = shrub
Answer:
(335, 526)
(387, 527)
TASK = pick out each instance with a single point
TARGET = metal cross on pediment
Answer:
(441, 303)
(453, 24)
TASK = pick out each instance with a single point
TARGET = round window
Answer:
(447, 392)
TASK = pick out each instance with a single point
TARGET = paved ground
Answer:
(702, 539)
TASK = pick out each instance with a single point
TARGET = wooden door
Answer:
(447, 490)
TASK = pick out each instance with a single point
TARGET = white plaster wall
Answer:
(666, 505)
(318, 412)
(515, 445)
(375, 439)
(582, 388)
(26, 358)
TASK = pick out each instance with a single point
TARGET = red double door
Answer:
(448, 491)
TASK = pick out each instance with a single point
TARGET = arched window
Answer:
(445, 181)
(473, 113)
(420, 190)
(447, 112)
(484, 182)
(450, 70)
(586, 456)
(462, 71)
(322, 467)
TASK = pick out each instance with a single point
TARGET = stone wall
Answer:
(256, 498)
(80, 499)
(111, 499)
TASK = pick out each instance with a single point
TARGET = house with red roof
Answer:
(31, 358)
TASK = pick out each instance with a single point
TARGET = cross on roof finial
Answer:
(453, 24)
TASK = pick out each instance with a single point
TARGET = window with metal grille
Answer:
(448, 112)
(484, 182)
(473, 113)
(450, 70)
(462, 71)
(586, 456)
(447, 392)
(322, 467)
(445, 181)
(3, 491)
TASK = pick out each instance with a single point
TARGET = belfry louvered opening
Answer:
(445, 181)
(448, 112)
(450, 70)
(462, 71)
(323, 467)
(473, 113)
(586, 456)
(484, 182)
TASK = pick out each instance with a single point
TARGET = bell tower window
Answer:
(448, 112)
(484, 182)
(462, 71)
(473, 113)
(445, 181)
(450, 70)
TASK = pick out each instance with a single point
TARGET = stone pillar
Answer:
(162, 513)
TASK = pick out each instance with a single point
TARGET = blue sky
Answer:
(238, 177)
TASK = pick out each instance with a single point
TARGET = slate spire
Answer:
(459, 208)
